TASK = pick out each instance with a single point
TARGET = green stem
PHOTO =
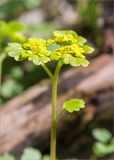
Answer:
(54, 79)
(2, 58)
(0, 77)
(54, 100)
(47, 71)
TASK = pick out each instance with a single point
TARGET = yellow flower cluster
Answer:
(37, 46)
(74, 50)
(70, 48)
(65, 46)
(65, 39)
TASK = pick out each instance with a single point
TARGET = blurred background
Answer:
(25, 105)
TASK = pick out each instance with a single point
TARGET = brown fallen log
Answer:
(95, 81)
(26, 119)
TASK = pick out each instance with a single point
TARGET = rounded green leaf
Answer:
(79, 62)
(80, 40)
(37, 60)
(15, 50)
(73, 105)
(88, 49)
(31, 154)
(101, 135)
(67, 58)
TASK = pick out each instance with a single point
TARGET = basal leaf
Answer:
(73, 105)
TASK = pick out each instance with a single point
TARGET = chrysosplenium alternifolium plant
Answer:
(66, 47)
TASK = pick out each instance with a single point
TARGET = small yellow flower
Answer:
(50, 41)
(36, 51)
(37, 46)
(74, 50)
(65, 39)
(78, 51)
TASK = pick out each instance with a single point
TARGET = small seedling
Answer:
(104, 144)
(66, 47)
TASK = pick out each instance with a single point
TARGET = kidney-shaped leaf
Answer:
(73, 105)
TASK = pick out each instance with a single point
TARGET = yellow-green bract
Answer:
(65, 45)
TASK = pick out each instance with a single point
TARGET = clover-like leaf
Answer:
(101, 135)
(73, 105)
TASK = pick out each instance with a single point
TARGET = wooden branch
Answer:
(26, 119)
